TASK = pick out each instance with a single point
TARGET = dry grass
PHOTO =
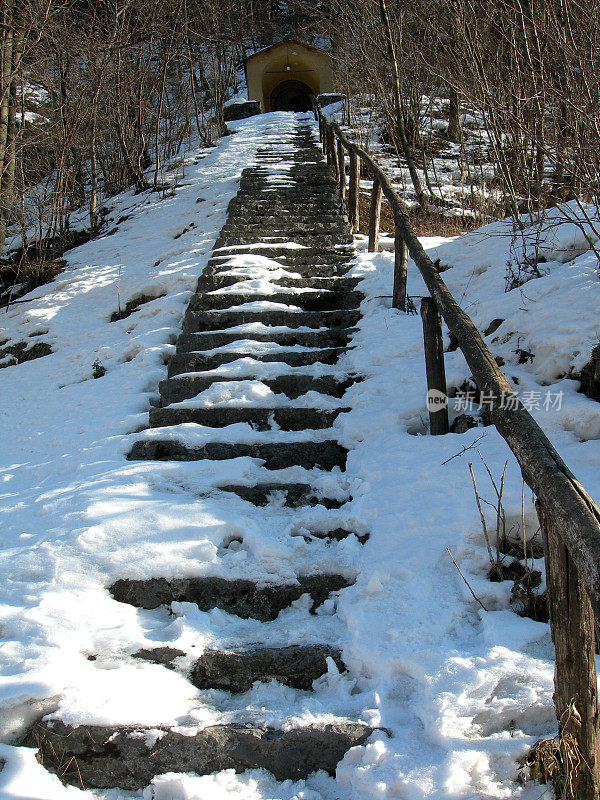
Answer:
(27, 274)
(557, 761)
(423, 224)
(23, 351)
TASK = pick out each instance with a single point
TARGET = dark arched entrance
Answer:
(291, 96)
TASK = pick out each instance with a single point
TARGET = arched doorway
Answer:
(307, 69)
(291, 96)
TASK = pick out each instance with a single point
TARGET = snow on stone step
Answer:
(241, 597)
(209, 340)
(105, 758)
(293, 384)
(308, 453)
(312, 300)
(268, 352)
(286, 418)
(215, 320)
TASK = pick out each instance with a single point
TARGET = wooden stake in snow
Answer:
(436, 374)
(375, 216)
(400, 272)
(354, 193)
(575, 683)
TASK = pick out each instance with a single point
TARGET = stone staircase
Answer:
(273, 311)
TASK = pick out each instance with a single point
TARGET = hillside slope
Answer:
(459, 693)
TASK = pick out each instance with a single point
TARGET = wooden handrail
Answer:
(544, 471)
(569, 518)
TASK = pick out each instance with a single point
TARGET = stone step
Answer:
(210, 281)
(295, 495)
(195, 321)
(242, 597)
(317, 240)
(335, 270)
(296, 666)
(323, 454)
(307, 301)
(287, 229)
(301, 215)
(337, 337)
(303, 209)
(182, 363)
(236, 671)
(286, 418)
(98, 757)
(340, 257)
(174, 390)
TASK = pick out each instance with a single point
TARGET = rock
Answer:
(296, 666)
(493, 326)
(464, 422)
(160, 655)
(241, 110)
(241, 597)
(128, 758)
(328, 98)
(590, 376)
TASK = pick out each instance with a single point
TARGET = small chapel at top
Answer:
(286, 75)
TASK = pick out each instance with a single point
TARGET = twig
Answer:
(523, 524)
(485, 530)
(465, 449)
(465, 580)
(501, 516)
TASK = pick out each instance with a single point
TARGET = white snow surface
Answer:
(460, 693)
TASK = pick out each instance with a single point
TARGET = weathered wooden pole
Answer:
(400, 272)
(575, 684)
(437, 401)
(333, 155)
(341, 157)
(354, 193)
(375, 216)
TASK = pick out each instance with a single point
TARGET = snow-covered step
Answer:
(338, 337)
(287, 418)
(198, 362)
(306, 240)
(241, 597)
(292, 384)
(235, 671)
(308, 301)
(129, 758)
(325, 454)
(296, 665)
(217, 320)
(291, 495)
(291, 253)
(225, 275)
(287, 230)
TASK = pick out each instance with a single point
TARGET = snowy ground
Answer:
(463, 692)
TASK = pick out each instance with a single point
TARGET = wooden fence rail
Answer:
(567, 514)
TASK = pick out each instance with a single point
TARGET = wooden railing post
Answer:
(341, 157)
(434, 363)
(333, 156)
(375, 216)
(354, 193)
(575, 684)
(400, 272)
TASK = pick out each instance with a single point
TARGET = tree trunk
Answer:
(454, 132)
(406, 149)
(11, 57)
(575, 684)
